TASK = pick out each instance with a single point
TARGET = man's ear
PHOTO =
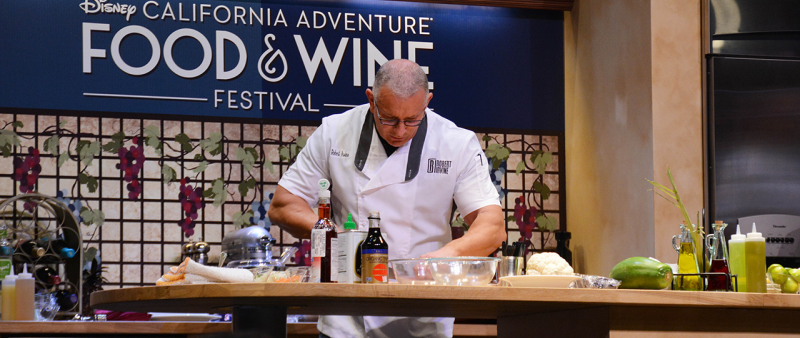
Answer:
(370, 96)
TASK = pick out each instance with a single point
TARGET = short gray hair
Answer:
(404, 77)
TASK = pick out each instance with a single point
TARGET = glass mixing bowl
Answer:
(412, 271)
(463, 271)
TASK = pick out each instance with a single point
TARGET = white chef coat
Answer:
(413, 189)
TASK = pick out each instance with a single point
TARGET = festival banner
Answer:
(279, 60)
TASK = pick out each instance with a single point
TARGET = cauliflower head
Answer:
(548, 263)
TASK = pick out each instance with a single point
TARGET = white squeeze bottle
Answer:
(9, 299)
(25, 291)
(737, 260)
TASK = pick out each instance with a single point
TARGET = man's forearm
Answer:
(292, 214)
(486, 233)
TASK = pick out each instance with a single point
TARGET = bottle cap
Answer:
(11, 274)
(54, 280)
(349, 224)
(67, 253)
(25, 273)
(738, 235)
(324, 185)
(754, 233)
(375, 214)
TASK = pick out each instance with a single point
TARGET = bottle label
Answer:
(334, 260)
(317, 243)
(5, 268)
(341, 253)
(375, 266)
(357, 264)
(316, 270)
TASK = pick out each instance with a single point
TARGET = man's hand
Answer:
(292, 214)
(443, 252)
(486, 233)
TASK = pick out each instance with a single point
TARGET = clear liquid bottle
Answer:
(374, 253)
(737, 261)
(756, 261)
(324, 241)
(718, 253)
(687, 261)
(25, 289)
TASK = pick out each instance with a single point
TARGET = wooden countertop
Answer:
(116, 327)
(15, 328)
(412, 300)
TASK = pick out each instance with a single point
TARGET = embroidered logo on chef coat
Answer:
(439, 167)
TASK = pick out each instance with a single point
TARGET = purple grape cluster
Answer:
(260, 210)
(29, 206)
(191, 202)
(26, 171)
(525, 216)
(301, 256)
(131, 161)
(497, 177)
(74, 205)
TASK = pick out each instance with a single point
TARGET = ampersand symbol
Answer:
(268, 65)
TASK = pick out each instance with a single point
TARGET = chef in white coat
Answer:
(395, 156)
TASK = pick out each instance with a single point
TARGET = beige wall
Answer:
(633, 105)
(677, 113)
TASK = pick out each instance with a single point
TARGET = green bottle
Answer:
(737, 260)
(5, 252)
(756, 261)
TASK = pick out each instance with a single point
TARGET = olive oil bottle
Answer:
(687, 262)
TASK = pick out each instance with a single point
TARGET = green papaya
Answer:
(642, 273)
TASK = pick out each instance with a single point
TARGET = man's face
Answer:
(393, 109)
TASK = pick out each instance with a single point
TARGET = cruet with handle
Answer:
(687, 262)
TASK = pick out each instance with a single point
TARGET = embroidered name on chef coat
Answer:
(439, 167)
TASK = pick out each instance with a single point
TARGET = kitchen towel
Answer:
(190, 272)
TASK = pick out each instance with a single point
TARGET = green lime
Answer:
(790, 286)
(795, 273)
(778, 274)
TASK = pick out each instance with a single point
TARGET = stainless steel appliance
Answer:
(753, 117)
(251, 247)
(782, 234)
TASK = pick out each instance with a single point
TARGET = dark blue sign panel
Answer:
(283, 60)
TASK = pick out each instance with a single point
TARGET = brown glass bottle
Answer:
(324, 243)
(374, 253)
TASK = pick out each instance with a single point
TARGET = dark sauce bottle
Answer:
(374, 253)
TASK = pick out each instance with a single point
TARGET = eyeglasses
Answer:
(394, 122)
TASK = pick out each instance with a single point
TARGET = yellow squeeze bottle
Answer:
(737, 261)
(9, 299)
(756, 261)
